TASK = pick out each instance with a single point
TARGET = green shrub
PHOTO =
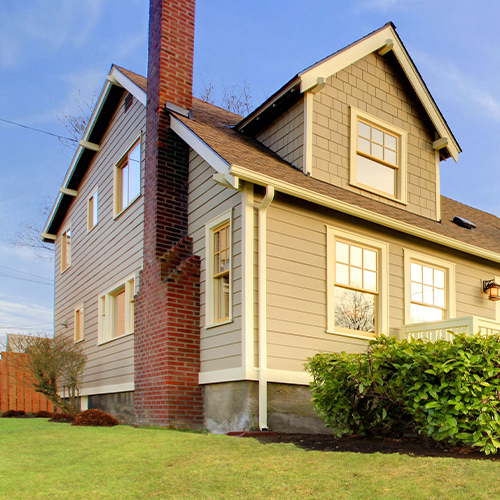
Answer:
(446, 391)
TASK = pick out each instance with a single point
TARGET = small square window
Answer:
(127, 178)
(92, 211)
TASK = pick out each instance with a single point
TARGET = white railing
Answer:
(444, 329)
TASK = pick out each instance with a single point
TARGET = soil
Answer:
(404, 446)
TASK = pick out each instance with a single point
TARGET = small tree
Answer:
(54, 360)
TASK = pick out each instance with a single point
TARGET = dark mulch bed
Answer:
(405, 446)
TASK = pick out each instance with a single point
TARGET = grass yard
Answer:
(42, 460)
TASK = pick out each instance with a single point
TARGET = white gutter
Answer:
(262, 301)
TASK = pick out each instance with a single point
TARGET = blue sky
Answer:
(52, 49)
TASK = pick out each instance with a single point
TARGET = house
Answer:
(201, 257)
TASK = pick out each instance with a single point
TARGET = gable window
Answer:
(429, 287)
(378, 156)
(219, 269)
(127, 178)
(356, 285)
(116, 311)
(66, 249)
(92, 211)
(79, 324)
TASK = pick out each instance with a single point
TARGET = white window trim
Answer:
(63, 250)
(210, 321)
(105, 323)
(451, 302)
(402, 183)
(82, 308)
(116, 171)
(95, 193)
(383, 284)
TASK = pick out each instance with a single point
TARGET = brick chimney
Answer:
(167, 332)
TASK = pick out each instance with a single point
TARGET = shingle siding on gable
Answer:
(103, 257)
(376, 86)
(285, 136)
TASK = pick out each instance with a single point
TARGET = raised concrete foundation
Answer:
(120, 405)
(234, 406)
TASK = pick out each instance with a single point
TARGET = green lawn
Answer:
(42, 460)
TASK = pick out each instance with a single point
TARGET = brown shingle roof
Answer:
(139, 80)
(213, 126)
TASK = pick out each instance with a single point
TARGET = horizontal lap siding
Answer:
(296, 284)
(221, 346)
(103, 257)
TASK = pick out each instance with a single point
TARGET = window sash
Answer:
(221, 261)
(128, 177)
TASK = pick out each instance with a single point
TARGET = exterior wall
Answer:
(297, 282)
(120, 405)
(221, 346)
(110, 252)
(378, 87)
(285, 136)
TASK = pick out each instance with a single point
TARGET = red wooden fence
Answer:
(16, 386)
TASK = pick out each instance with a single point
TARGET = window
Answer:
(356, 285)
(92, 211)
(79, 324)
(378, 156)
(429, 288)
(116, 311)
(218, 272)
(66, 249)
(128, 178)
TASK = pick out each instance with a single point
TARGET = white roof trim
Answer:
(373, 43)
(129, 85)
(203, 149)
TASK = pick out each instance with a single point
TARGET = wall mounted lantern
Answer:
(492, 289)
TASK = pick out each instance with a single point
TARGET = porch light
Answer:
(492, 289)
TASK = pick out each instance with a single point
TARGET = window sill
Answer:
(114, 338)
(213, 325)
(115, 216)
(91, 229)
(378, 193)
(79, 341)
(65, 269)
(352, 335)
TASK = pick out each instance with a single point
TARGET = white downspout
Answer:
(262, 305)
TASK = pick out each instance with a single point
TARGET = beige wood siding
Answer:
(103, 257)
(221, 346)
(285, 136)
(297, 280)
(378, 88)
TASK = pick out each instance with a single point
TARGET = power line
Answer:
(13, 273)
(38, 130)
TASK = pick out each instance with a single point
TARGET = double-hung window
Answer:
(92, 211)
(66, 249)
(79, 323)
(378, 156)
(218, 237)
(356, 284)
(116, 311)
(127, 178)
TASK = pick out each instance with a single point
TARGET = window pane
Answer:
(377, 151)
(416, 292)
(419, 314)
(376, 175)
(391, 142)
(377, 136)
(223, 297)
(416, 272)
(134, 172)
(354, 310)
(342, 274)
(124, 187)
(391, 157)
(438, 278)
(95, 209)
(428, 295)
(439, 299)
(119, 311)
(370, 259)
(370, 280)
(356, 256)
(364, 146)
(364, 130)
(427, 275)
(342, 252)
(356, 277)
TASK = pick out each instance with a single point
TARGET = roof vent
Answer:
(129, 99)
(460, 221)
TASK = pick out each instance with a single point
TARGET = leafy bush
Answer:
(446, 391)
(13, 413)
(62, 417)
(43, 414)
(95, 418)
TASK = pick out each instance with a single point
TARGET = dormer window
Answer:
(378, 156)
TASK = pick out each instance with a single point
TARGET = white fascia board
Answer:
(374, 43)
(203, 149)
(362, 213)
(129, 85)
